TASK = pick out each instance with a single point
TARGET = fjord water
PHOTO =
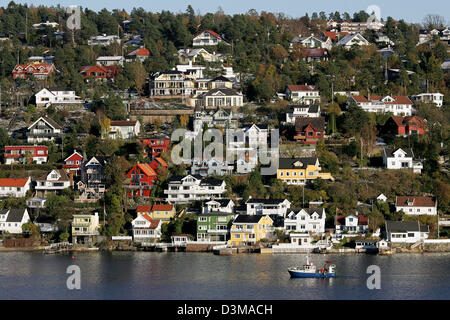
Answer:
(151, 275)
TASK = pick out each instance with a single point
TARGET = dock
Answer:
(57, 247)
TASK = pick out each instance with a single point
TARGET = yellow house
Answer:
(85, 227)
(248, 229)
(163, 212)
(299, 170)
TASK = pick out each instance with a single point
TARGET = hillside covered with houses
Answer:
(354, 115)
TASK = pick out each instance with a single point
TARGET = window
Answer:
(202, 219)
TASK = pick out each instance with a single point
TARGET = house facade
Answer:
(268, 206)
(249, 229)
(73, 163)
(56, 96)
(406, 231)
(415, 205)
(141, 179)
(214, 226)
(351, 40)
(124, 129)
(98, 72)
(221, 97)
(44, 129)
(398, 105)
(305, 220)
(26, 154)
(155, 146)
(219, 205)
(192, 188)
(305, 94)
(146, 229)
(56, 180)
(401, 158)
(353, 223)
(110, 61)
(163, 212)
(213, 118)
(300, 110)
(12, 220)
(309, 130)
(436, 98)
(298, 171)
(213, 166)
(140, 55)
(208, 38)
(15, 188)
(36, 70)
(404, 126)
(85, 228)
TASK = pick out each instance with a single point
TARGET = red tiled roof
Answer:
(153, 222)
(214, 34)
(403, 121)
(161, 161)
(360, 99)
(162, 207)
(362, 220)
(301, 87)
(400, 100)
(402, 201)
(12, 182)
(140, 52)
(144, 208)
(145, 167)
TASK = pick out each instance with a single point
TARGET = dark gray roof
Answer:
(311, 108)
(301, 123)
(245, 218)
(220, 78)
(405, 226)
(15, 215)
(216, 213)
(288, 163)
(211, 181)
(223, 202)
(390, 151)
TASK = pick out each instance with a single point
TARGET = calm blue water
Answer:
(152, 275)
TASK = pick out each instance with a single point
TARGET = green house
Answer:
(214, 226)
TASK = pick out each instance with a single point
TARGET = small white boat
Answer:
(309, 270)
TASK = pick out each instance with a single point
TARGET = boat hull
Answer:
(297, 274)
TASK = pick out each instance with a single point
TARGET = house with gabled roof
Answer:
(73, 162)
(249, 229)
(310, 42)
(146, 229)
(353, 223)
(162, 211)
(208, 38)
(44, 129)
(125, 129)
(99, 72)
(351, 40)
(34, 69)
(401, 158)
(12, 220)
(398, 105)
(305, 220)
(219, 205)
(221, 97)
(155, 145)
(140, 55)
(305, 94)
(141, 179)
(55, 180)
(416, 205)
(57, 96)
(309, 130)
(14, 187)
(403, 126)
(406, 231)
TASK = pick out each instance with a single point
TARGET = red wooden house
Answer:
(100, 72)
(35, 69)
(154, 146)
(73, 163)
(140, 180)
(405, 125)
(309, 130)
